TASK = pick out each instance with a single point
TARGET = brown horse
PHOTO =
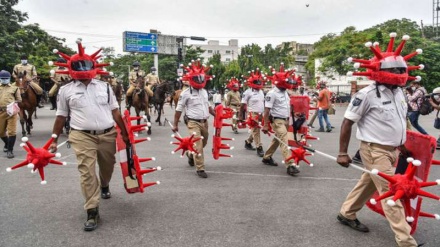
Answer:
(175, 98)
(117, 89)
(28, 104)
(140, 100)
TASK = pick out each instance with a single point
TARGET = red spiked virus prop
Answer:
(251, 122)
(221, 113)
(255, 79)
(301, 134)
(297, 155)
(186, 144)
(196, 74)
(233, 84)
(38, 158)
(132, 172)
(81, 65)
(283, 78)
(407, 187)
(385, 60)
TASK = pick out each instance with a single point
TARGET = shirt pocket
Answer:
(102, 98)
(78, 101)
(387, 113)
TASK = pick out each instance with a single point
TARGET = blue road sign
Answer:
(140, 42)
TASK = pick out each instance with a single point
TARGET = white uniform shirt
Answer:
(380, 120)
(217, 98)
(254, 99)
(279, 103)
(196, 104)
(90, 107)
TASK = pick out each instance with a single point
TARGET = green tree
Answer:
(218, 69)
(335, 49)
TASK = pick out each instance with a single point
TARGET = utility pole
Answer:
(156, 56)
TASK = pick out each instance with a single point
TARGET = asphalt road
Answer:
(242, 203)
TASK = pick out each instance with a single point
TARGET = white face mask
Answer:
(24, 61)
(5, 81)
(413, 88)
(153, 72)
(135, 68)
(437, 98)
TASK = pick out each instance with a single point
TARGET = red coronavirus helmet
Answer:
(196, 74)
(255, 79)
(233, 84)
(81, 66)
(378, 67)
(283, 78)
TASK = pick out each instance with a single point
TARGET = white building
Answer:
(228, 52)
(333, 78)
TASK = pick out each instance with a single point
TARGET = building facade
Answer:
(228, 52)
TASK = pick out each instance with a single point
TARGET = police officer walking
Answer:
(8, 121)
(380, 113)
(134, 73)
(31, 72)
(277, 112)
(253, 100)
(233, 100)
(93, 111)
(196, 104)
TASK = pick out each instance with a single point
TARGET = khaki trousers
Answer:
(149, 90)
(36, 87)
(8, 124)
(235, 118)
(53, 89)
(279, 127)
(382, 158)
(201, 129)
(255, 132)
(90, 149)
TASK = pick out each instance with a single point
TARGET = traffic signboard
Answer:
(140, 42)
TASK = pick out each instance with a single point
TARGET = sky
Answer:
(100, 23)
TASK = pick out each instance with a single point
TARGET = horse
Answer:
(159, 97)
(175, 98)
(28, 104)
(117, 89)
(140, 100)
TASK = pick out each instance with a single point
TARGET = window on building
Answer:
(227, 59)
(228, 52)
(209, 51)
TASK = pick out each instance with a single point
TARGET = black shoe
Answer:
(105, 193)
(92, 219)
(292, 170)
(202, 174)
(269, 162)
(356, 160)
(320, 130)
(40, 105)
(190, 160)
(311, 126)
(10, 155)
(5, 149)
(235, 131)
(329, 129)
(260, 151)
(355, 224)
(53, 108)
(248, 146)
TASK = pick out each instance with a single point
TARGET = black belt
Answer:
(285, 119)
(95, 132)
(235, 104)
(198, 120)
